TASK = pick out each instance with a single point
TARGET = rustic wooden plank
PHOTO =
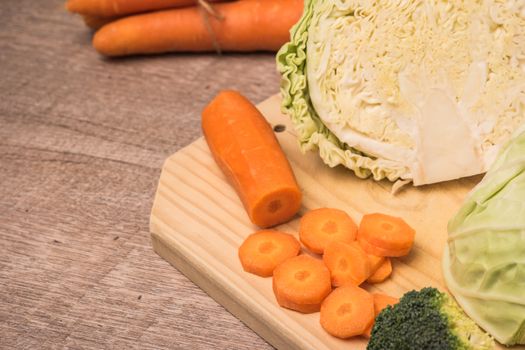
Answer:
(82, 142)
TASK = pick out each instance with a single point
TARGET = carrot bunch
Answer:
(129, 27)
(333, 285)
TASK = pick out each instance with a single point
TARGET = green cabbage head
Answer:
(484, 262)
(415, 90)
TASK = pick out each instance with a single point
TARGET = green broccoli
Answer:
(427, 319)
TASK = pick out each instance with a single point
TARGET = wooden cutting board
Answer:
(198, 222)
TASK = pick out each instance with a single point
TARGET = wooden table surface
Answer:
(82, 141)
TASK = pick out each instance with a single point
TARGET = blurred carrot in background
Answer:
(95, 22)
(116, 8)
(248, 25)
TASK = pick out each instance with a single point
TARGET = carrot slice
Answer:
(382, 273)
(319, 227)
(301, 283)
(262, 251)
(386, 232)
(371, 249)
(375, 262)
(347, 262)
(381, 301)
(247, 151)
(348, 311)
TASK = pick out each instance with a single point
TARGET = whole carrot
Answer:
(247, 151)
(249, 25)
(112, 8)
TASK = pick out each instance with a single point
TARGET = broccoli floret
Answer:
(427, 319)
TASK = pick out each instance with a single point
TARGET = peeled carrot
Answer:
(382, 273)
(249, 25)
(375, 262)
(262, 251)
(319, 227)
(347, 262)
(246, 149)
(301, 283)
(392, 236)
(371, 249)
(348, 311)
(381, 301)
(111, 8)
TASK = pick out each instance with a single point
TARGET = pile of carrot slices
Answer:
(339, 258)
(129, 27)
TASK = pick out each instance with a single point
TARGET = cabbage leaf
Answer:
(484, 262)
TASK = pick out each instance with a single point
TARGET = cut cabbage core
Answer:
(429, 87)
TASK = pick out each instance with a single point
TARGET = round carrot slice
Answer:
(385, 231)
(375, 262)
(262, 251)
(372, 249)
(301, 283)
(382, 273)
(319, 227)
(348, 263)
(348, 311)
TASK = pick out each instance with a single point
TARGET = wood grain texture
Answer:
(82, 142)
(198, 223)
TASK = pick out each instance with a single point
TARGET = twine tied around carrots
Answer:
(207, 10)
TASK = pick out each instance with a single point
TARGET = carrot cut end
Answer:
(276, 208)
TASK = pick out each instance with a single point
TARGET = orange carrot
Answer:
(95, 22)
(111, 8)
(382, 273)
(391, 235)
(262, 251)
(381, 301)
(371, 249)
(249, 25)
(347, 262)
(319, 227)
(348, 311)
(246, 149)
(301, 283)
(375, 262)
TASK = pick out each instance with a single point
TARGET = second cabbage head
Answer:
(423, 91)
